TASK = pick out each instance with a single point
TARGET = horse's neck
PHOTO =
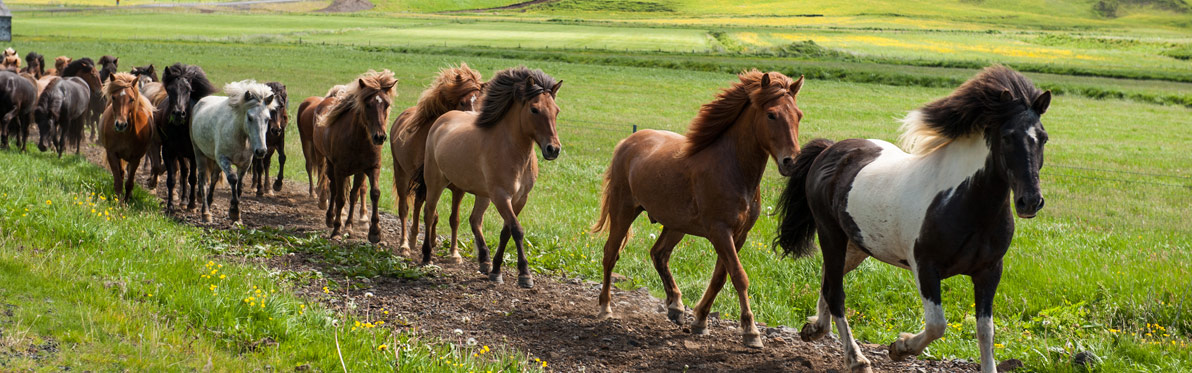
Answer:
(741, 143)
(965, 161)
(514, 142)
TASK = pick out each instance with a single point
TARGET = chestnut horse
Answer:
(703, 184)
(456, 88)
(308, 112)
(490, 154)
(349, 134)
(10, 60)
(60, 64)
(941, 210)
(275, 141)
(127, 127)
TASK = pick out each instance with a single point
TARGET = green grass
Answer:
(1105, 262)
(96, 284)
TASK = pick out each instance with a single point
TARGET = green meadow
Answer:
(1103, 268)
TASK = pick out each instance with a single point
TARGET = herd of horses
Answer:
(945, 208)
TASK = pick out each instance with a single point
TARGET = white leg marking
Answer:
(853, 357)
(985, 343)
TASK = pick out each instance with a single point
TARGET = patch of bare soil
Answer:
(521, 5)
(554, 321)
(347, 6)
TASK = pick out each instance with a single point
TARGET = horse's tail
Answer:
(602, 221)
(796, 227)
(418, 182)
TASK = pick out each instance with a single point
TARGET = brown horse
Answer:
(60, 63)
(350, 134)
(456, 88)
(308, 112)
(490, 154)
(703, 184)
(127, 126)
(275, 142)
(35, 65)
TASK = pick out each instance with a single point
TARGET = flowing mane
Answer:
(451, 85)
(122, 81)
(72, 68)
(509, 86)
(199, 85)
(256, 92)
(993, 96)
(716, 117)
(353, 97)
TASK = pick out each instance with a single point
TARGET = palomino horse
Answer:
(18, 96)
(10, 60)
(127, 127)
(35, 65)
(349, 134)
(308, 111)
(703, 184)
(455, 88)
(185, 85)
(61, 113)
(490, 154)
(85, 68)
(107, 67)
(275, 141)
(229, 131)
(939, 211)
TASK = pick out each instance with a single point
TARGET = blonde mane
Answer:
(917, 137)
(353, 97)
(449, 87)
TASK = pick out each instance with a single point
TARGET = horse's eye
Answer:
(771, 116)
(534, 110)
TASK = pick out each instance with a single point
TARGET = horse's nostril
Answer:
(787, 161)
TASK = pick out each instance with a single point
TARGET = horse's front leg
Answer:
(935, 324)
(225, 165)
(726, 249)
(115, 164)
(984, 288)
(504, 206)
(476, 220)
(258, 166)
(281, 163)
(374, 194)
(357, 180)
(130, 183)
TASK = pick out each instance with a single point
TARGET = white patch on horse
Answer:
(890, 196)
(985, 343)
(1032, 133)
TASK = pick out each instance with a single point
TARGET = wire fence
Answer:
(1073, 172)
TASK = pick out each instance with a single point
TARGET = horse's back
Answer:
(650, 167)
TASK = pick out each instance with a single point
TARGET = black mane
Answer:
(73, 68)
(995, 95)
(199, 85)
(507, 87)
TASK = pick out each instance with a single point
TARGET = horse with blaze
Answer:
(943, 209)
(127, 129)
(705, 184)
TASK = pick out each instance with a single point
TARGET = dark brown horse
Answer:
(61, 112)
(490, 154)
(85, 69)
(275, 141)
(35, 65)
(350, 134)
(185, 85)
(455, 88)
(703, 184)
(18, 95)
(108, 66)
(127, 127)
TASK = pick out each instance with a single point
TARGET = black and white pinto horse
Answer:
(941, 210)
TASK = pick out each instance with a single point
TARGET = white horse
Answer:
(229, 131)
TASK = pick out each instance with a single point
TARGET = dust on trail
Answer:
(555, 321)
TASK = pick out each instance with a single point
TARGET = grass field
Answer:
(1101, 269)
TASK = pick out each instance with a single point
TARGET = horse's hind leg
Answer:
(817, 326)
(357, 181)
(434, 189)
(933, 312)
(457, 196)
(620, 219)
(281, 163)
(374, 194)
(130, 182)
(476, 221)
(660, 255)
(834, 245)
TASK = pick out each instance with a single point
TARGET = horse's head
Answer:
(60, 63)
(373, 94)
(257, 101)
(177, 99)
(1017, 146)
(776, 123)
(45, 117)
(123, 95)
(465, 87)
(278, 118)
(538, 117)
(376, 113)
(146, 74)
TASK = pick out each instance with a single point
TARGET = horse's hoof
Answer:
(486, 267)
(526, 282)
(605, 314)
(456, 258)
(206, 218)
(496, 277)
(753, 340)
(374, 238)
(861, 367)
(676, 316)
(277, 186)
(260, 193)
(699, 329)
(811, 332)
(898, 350)
(404, 251)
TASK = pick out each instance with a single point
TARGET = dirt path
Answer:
(553, 321)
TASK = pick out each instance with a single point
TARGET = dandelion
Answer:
(382, 347)
(48, 202)
(212, 287)
(221, 277)
(325, 291)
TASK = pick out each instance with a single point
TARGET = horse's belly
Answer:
(883, 213)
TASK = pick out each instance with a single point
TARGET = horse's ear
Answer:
(247, 96)
(765, 80)
(796, 86)
(1042, 102)
(1006, 96)
(360, 81)
(555, 90)
(459, 77)
(268, 100)
(530, 82)
(116, 61)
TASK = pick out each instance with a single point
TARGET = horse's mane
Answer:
(451, 85)
(279, 94)
(199, 85)
(334, 91)
(354, 96)
(72, 68)
(508, 86)
(971, 108)
(39, 59)
(716, 117)
(236, 91)
(123, 81)
(156, 94)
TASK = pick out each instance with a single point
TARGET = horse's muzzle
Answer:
(379, 139)
(121, 126)
(1028, 207)
(259, 153)
(550, 152)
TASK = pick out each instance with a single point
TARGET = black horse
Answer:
(941, 210)
(17, 95)
(185, 85)
(85, 68)
(107, 67)
(61, 111)
(275, 140)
